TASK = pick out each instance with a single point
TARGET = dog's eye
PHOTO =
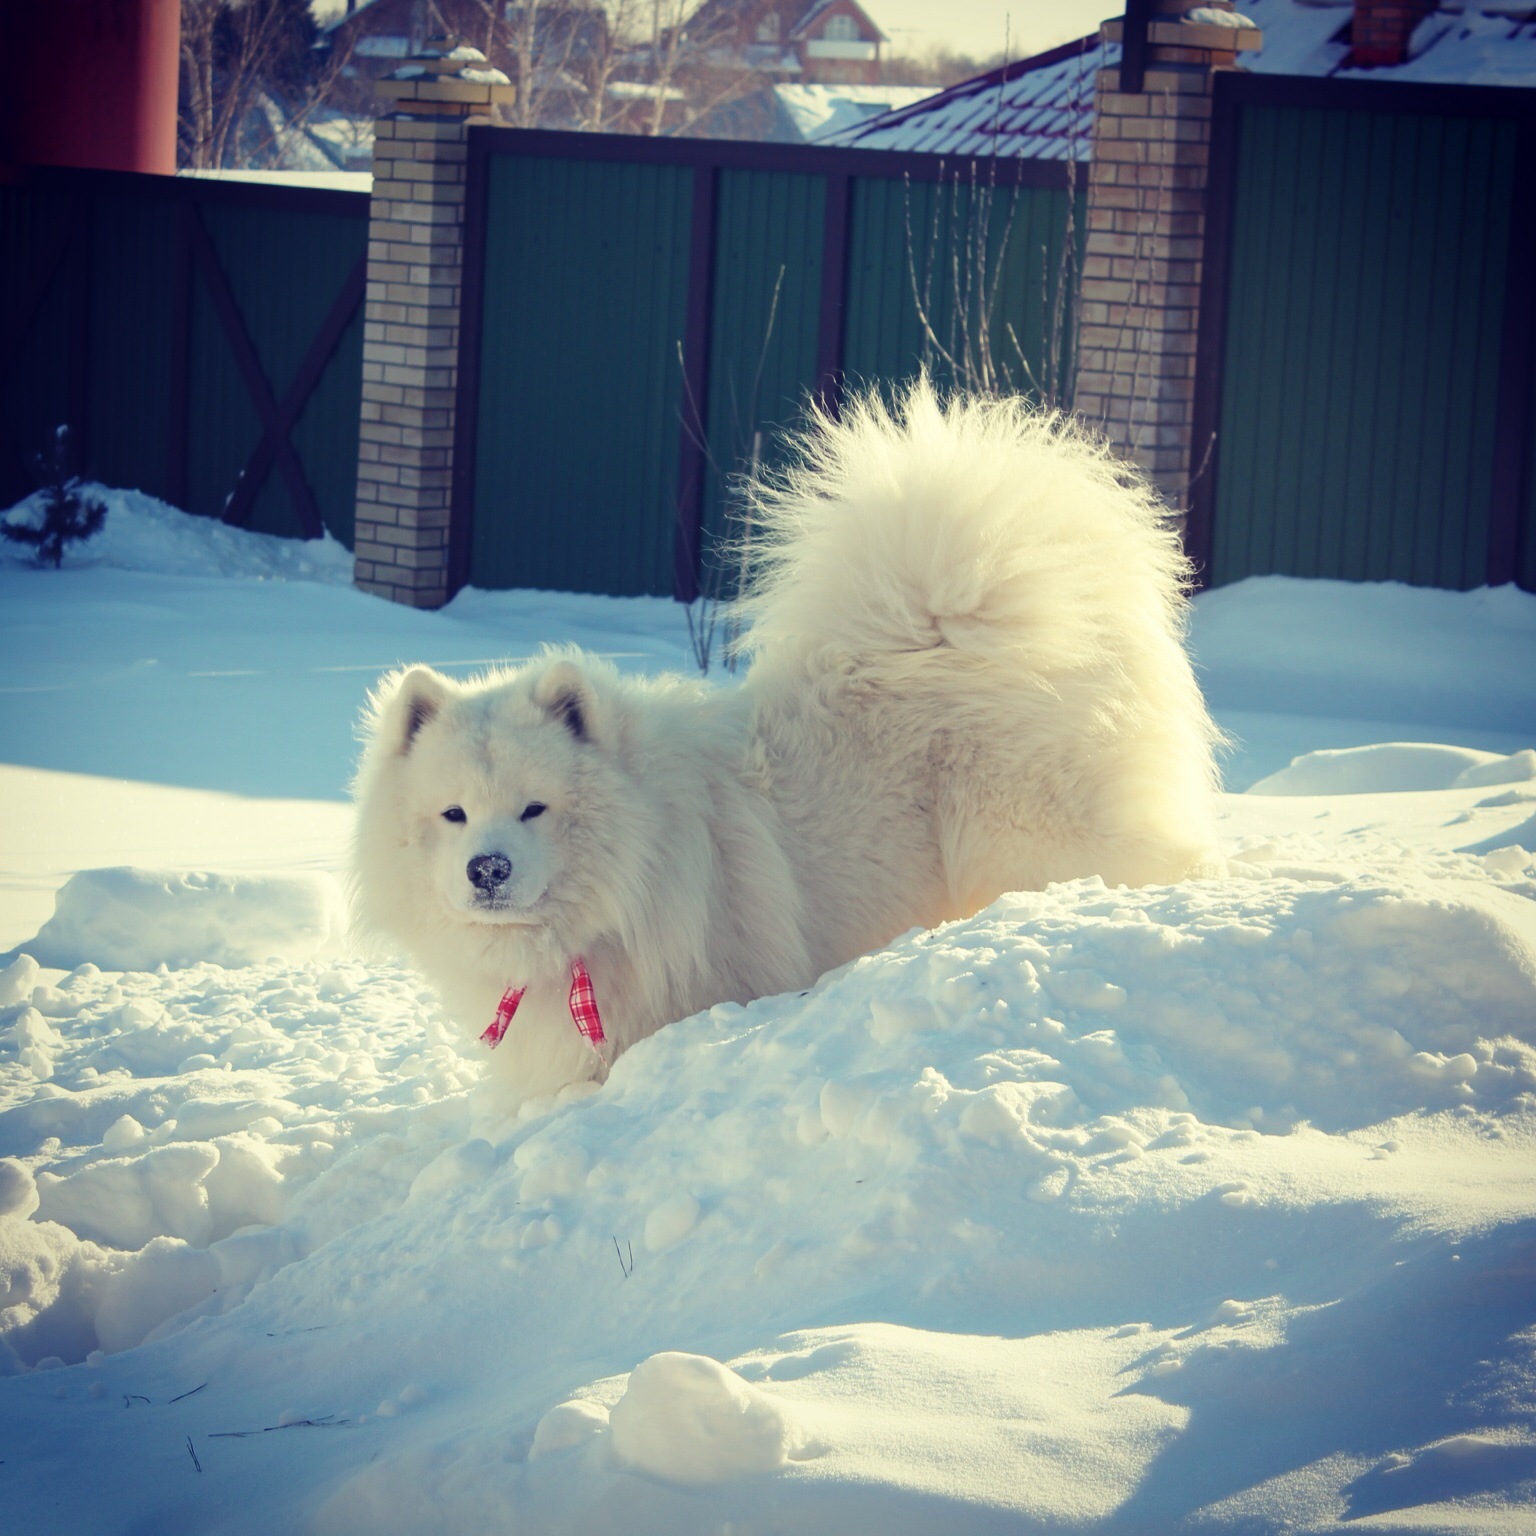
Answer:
(455, 813)
(529, 812)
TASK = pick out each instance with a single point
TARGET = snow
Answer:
(1420, 661)
(1210, 16)
(133, 919)
(1122, 1209)
(142, 534)
(330, 180)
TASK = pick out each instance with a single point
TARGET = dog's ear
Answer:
(405, 703)
(565, 693)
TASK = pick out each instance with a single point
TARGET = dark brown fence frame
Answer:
(706, 158)
(1514, 460)
(195, 254)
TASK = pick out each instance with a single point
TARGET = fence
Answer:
(1364, 387)
(202, 339)
(641, 317)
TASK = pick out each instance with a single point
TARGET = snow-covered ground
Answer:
(1207, 1207)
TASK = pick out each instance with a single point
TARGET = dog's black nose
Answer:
(488, 870)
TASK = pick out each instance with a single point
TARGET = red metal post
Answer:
(90, 82)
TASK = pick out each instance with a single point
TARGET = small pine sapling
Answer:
(63, 511)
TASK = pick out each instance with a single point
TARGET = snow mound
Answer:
(129, 919)
(168, 1160)
(1205, 998)
(689, 1419)
(144, 534)
(1393, 766)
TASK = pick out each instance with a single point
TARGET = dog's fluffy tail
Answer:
(1000, 562)
(980, 524)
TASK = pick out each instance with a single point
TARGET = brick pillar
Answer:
(1140, 297)
(411, 322)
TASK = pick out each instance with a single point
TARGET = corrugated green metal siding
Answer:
(982, 265)
(114, 384)
(35, 377)
(133, 269)
(1525, 550)
(285, 270)
(764, 330)
(606, 246)
(1362, 346)
(580, 384)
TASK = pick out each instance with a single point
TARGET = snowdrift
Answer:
(137, 919)
(1069, 1214)
(144, 534)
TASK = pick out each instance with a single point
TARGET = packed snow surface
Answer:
(1205, 1207)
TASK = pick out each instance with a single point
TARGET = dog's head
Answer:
(491, 806)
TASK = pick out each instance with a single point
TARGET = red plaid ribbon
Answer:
(582, 1002)
(504, 1011)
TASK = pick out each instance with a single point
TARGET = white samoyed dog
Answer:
(967, 676)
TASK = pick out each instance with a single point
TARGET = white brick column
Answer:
(411, 320)
(1140, 297)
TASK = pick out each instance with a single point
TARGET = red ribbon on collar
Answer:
(582, 1002)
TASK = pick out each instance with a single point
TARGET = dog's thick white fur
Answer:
(967, 676)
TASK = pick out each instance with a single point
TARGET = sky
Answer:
(982, 27)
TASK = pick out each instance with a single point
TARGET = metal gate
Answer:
(643, 317)
(1364, 406)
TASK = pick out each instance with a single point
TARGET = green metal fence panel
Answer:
(284, 269)
(223, 425)
(691, 298)
(769, 241)
(42, 320)
(1525, 549)
(969, 279)
(110, 326)
(132, 286)
(1362, 345)
(580, 386)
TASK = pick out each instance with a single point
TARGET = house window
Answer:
(768, 28)
(841, 29)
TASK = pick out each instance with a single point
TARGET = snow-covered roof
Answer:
(1487, 43)
(814, 111)
(1033, 109)
(382, 45)
(1042, 108)
(1036, 109)
(640, 90)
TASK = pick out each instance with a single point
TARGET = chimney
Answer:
(1381, 28)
